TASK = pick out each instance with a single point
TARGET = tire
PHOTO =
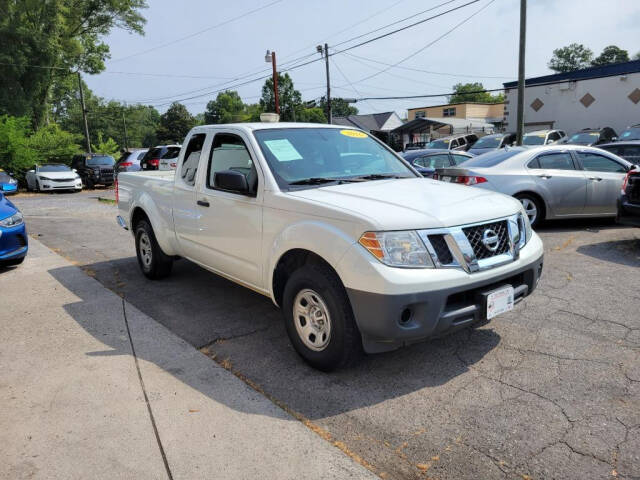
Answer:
(153, 262)
(533, 205)
(90, 184)
(315, 290)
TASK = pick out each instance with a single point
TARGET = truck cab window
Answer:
(229, 152)
(192, 158)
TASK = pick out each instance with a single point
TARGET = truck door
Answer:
(229, 222)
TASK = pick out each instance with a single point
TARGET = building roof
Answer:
(458, 124)
(454, 104)
(583, 74)
(368, 122)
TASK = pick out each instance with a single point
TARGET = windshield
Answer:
(100, 160)
(631, 134)
(298, 154)
(442, 143)
(534, 139)
(590, 137)
(172, 152)
(53, 168)
(488, 142)
(4, 178)
(491, 159)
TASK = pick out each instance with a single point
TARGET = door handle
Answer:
(203, 203)
(595, 179)
(544, 176)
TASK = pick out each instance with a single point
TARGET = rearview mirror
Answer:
(231, 181)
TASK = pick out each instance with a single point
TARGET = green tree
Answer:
(226, 108)
(290, 98)
(571, 57)
(473, 92)
(339, 107)
(65, 35)
(636, 56)
(109, 147)
(253, 111)
(175, 123)
(311, 115)
(611, 54)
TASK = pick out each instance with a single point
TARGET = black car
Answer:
(630, 150)
(629, 200)
(94, 169)
(631, 133)
(593, 136)
(492, 142)
(426, 161)
(151, 159)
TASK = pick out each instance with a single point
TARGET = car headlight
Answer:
(12, 221)
(13, 181)
(40, 177)
(397, 249)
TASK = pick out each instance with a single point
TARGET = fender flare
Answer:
(164, 233)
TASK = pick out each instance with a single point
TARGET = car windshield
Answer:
(488, 142)
(172, 152)
(100, 160)
(492, 159)
(534, 139)
(53, 168)
(584, 137)
(441, 143)
(4, 178)
(630, 134)
(322, 155)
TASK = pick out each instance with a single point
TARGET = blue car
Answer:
(13, 234)
(8, 185)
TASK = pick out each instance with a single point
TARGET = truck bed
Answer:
(151, 189)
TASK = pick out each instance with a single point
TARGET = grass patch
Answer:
(110, 201)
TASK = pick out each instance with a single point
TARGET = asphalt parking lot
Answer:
(550, 390)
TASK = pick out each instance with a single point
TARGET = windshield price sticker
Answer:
(353, 133)
(283, 150)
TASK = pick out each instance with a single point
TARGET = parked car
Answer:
(169, 159)
(426, 161)
(592, 136)
(629, 201)
(415, 146)
(558, 181)
(453, 142)
(13, 234)
(492, 142)
(52, 176)
(543, 137)
(151, 160)
(631, 133)
(358, 250)
(94, 169)
(8, 184)
(629, 150)
(130, 161)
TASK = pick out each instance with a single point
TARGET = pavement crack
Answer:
(219, 340)
(144, 393)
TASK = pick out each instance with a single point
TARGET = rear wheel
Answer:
(319, 319)
(153, 262)
(532, 207)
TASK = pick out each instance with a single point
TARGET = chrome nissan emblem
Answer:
(490, 240)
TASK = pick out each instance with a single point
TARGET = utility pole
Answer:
(271, 57)
(326, 62)
(84, 114)
(124, 124)
(523, 38)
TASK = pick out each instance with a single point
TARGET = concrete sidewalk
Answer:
(76, 402)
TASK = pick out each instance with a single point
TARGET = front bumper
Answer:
(53, 185)
(628, 213)
(9, 188)
(404, 306)
(13, 242)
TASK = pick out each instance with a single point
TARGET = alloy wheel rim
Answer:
(530, 209)
(145, 249)
(312, 320)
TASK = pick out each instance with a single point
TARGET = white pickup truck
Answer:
(357, 249)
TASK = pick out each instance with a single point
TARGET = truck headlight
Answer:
(12, 221)
(397, 249)
(524, 227)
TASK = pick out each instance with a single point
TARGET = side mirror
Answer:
(231, 181)
(613, 139)
(549, 141)
(31, 171)
(74, 170)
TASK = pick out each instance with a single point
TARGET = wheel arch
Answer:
(537, 196)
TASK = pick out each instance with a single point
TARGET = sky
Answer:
(228, 40)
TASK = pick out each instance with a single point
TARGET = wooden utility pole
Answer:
(124, 124)
(275, 82)
(84, 114)
(326, 61)
(523, 38)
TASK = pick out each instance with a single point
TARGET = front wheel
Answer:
(532, 208)
(153, 262)
(319, 319)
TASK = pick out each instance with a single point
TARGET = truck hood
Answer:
(412, 203)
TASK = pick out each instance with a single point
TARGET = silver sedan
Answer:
(558, 181)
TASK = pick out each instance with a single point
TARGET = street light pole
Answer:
(271, 57)
(523, 38)
(84, 114)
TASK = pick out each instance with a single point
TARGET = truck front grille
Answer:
(476, 235)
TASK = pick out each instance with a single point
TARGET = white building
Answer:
(607, 96)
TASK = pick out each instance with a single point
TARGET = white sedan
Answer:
(52, 176)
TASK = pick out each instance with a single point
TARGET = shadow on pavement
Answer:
(571, 224)
(623, 252)
(193, 300)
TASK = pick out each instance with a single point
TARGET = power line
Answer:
(225, 22)
(432, 95)
(349, 82)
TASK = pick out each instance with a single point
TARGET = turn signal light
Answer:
(370, 241)
(470, 180)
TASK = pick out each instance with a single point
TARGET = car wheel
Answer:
(532, 207)
(153, 262)
(319, 320)
(90, 185)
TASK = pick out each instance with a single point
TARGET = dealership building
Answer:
(607, 96)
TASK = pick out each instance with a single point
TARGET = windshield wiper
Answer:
(379, 176)
(321, 180)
